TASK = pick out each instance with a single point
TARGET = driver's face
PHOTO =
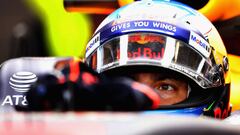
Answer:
(171, 90)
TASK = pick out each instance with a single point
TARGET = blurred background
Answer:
(46, 28)
(63, 28)
(11, 13)
(43, 28)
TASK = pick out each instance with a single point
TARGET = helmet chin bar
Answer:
(220, 107)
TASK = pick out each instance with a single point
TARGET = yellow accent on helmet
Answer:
(220, 10)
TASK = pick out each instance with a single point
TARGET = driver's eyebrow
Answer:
(164, 76)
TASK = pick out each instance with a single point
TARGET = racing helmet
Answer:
(170, 37)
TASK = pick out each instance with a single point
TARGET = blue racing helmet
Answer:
(169, 37)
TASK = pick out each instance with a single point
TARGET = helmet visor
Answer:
(156, 50)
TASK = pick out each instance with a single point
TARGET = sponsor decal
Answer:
(184, 70)
(121, 26)
(144, 52)
(93, 44)
(21, 83)
(162, 26)
(114, 29)
(144, 45)
(200, 44)
(146, 38)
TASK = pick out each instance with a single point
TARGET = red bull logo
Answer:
(144, 52)
(146, 38)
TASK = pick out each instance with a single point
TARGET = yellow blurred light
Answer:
(221, 9)
(124, 2)
(234, 62)
(66, 33)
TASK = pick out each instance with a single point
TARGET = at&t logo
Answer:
(21, 83)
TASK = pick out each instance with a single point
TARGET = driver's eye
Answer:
(166, 87)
